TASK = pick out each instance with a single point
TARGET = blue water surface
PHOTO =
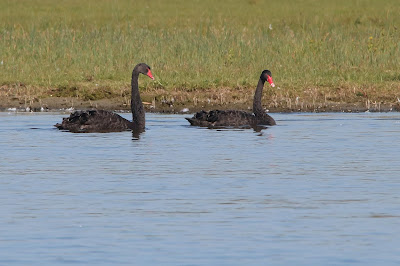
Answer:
(317, 189)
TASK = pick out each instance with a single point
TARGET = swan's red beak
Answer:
(269, 79)
(149, 74)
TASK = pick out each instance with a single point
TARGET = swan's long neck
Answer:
(257, 108)
(138, 114)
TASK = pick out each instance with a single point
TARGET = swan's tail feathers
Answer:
(191, 121)
(199, 122)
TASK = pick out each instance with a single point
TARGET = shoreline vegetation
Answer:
(182, 101)
(324, 55)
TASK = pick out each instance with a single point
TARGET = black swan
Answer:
(105, 121)
(235, 118)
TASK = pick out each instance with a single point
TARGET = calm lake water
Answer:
(318, 189)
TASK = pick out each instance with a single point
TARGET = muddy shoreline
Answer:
(27, 98)
(172, 105)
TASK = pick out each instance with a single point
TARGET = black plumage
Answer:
(105, 121)
(235, 118)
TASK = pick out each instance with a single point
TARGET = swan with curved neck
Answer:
(105, 121)
(235, 118)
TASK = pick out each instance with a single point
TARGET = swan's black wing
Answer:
(94, 121)
(229, 118)
(219, 118)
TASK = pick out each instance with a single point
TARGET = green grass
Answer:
(353, 44)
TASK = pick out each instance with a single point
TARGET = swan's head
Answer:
(144, 69)
(267, 76)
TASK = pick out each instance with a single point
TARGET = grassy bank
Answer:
(318, 50)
